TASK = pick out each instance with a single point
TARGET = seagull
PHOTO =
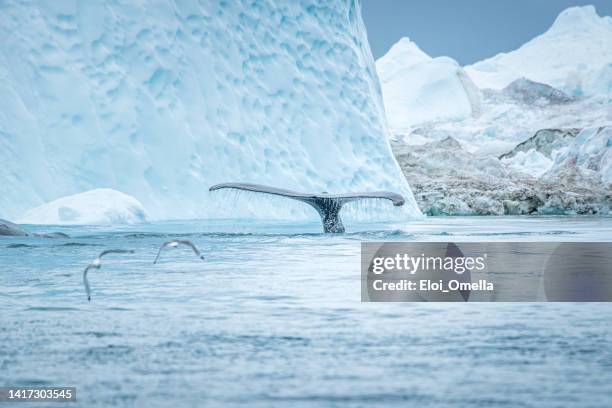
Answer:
(97, 264)
(176, 242)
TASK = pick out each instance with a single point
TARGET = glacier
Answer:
(517, 93)
(531, 138)
(162, 99)
(449, 180)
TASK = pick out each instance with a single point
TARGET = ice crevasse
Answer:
(161, 99)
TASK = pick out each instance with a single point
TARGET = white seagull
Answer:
(176, 242)
(97, 264)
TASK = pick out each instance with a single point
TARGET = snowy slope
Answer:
(574, 55)
(418, 89)
(161, 99)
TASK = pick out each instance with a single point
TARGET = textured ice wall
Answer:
(161, 99)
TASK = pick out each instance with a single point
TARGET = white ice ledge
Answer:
(102, 206)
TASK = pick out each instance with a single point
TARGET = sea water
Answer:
(272, 317)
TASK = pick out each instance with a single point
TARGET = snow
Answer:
(99, 206)
(162, 99)
(574, 55)
(418, 89)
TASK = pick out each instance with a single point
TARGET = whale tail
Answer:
(327, 205)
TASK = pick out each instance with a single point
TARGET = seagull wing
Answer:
(159, 252)
(86, 282)
(115, 251)
(192, 246)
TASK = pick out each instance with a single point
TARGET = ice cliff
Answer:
(161, 99)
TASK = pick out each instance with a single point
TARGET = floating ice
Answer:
(99, 206)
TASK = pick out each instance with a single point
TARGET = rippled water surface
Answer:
(273, 317)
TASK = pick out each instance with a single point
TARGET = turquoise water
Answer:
(273, 317)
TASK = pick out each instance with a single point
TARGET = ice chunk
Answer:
(99, 206)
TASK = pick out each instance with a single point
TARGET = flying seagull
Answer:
(327, 205)
(176, 242)
(97, 264)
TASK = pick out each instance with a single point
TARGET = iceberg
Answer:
(520, 92)
(573, 55)
(162, 99)
(418, 89)
(100, 206)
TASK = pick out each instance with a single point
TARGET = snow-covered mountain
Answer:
(417, 88)
(573, 55)
(161, 99)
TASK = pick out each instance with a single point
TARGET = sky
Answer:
(466, 30)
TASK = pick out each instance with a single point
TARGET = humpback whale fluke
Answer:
(97, 264)
(176, 242)
(327, 205)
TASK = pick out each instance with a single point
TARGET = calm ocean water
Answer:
(273, 317)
